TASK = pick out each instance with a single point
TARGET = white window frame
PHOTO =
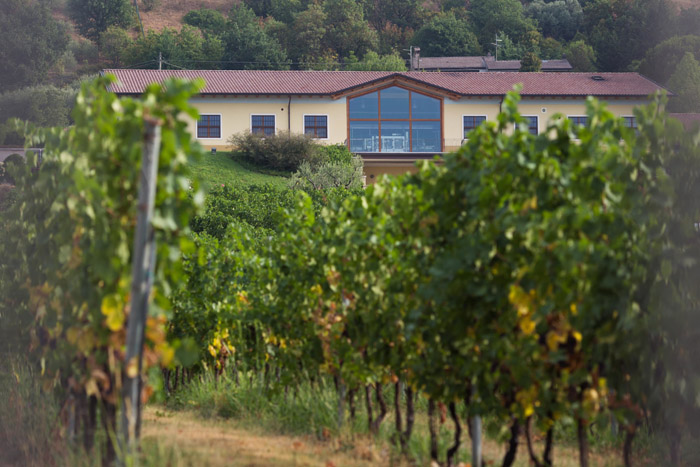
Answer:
(221, 125)
(262, 115)
(464, 137)
(538, 122)
(328, 125)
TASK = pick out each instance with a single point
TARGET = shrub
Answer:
(7, 196)
(149, 5)
(326, 175)
(6, 170)
(283, 151)
(256, 205)
(335, 153)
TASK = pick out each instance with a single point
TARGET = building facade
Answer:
(390, 119)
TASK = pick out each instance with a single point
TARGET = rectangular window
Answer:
(263, 124)
(316, 126)
(470, 122)
(364, 136)
(394, 120)
(395, 136)
(532, 125)
(426, 136)
(209, 126)
(582, 121)
(630, 122)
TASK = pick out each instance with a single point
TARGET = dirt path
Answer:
(189, 440)
(196, 441)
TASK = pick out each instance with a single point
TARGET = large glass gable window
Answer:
(395, 119)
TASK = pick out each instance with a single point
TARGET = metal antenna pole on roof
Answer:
(497, 45)
(410, 57)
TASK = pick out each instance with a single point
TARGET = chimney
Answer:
(415, 59)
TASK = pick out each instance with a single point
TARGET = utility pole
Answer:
(497, 45)
(160, 60)
(142, 267)
(138, 14)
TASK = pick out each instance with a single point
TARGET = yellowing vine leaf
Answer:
(112, 309)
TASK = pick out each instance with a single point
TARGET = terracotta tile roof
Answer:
(503, 64)
(688, 120)
(444, 63)
(333, 83)
(561, 65)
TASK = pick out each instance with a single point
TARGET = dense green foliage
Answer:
(325, 175)
(92, 17)
(446, 36)
(66, 243)
(43, 105)
(32, 42)
(533, 276)
(684, 82)
(186, 47)
(375, 62)
(283, 151)
(560, 19)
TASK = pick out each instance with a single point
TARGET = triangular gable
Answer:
(400, 80)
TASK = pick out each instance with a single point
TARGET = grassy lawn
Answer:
(220, 169)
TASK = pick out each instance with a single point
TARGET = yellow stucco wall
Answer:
(546, 109)
(236, 116)
(373, 172)
(453, 122)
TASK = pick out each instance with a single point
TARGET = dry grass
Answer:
(219, 443)
(170, 12)
(216, 442)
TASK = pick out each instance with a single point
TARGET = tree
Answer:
(372, 61)
(560, 19)
(186, 48)
(92, 17)
(493, 16)
(581, 56)
(530, 62)
(688, 21)
(685, 82)
(346, 28)
(304, 41)
(208, 21)
(33, 41)
(282, 10)
(509, 50)
(621, 32)
(551, 48)
(113, 42)
(661, 61)
(406, 14)
(247, 45)
(446, 36)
